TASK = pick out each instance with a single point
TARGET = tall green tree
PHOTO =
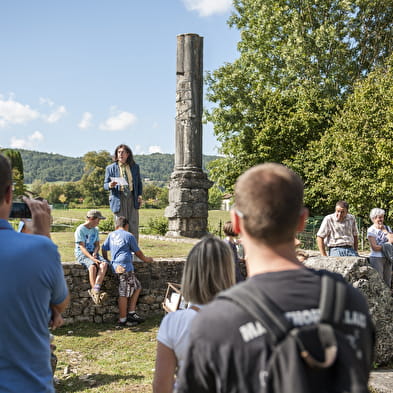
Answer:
(353, 159)
(299, 59)
(17, 171)
(92, 182)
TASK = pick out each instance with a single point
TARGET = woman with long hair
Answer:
(209, 269)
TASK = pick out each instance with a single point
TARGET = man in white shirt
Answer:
(339, 233)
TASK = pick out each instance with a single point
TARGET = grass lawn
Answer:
(152, 247)
(99, 358)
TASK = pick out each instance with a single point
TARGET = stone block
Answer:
(361, 275)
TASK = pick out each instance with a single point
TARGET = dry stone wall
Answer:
(154, 278)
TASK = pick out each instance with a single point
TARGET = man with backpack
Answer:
(287, 328)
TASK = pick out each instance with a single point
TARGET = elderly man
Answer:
(339, 233)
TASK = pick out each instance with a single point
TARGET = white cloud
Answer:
(29, 142)
(56, 115)
(208, 7)
(13, 112)
(118, 122)
(46, 101)
(154, 149)
(86, 121)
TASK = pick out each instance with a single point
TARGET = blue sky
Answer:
(84, 75)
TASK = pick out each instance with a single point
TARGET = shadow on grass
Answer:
(76, 383)
(91, 329)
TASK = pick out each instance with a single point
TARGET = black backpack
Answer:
(316, 358)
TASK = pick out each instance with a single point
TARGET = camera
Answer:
(20, 210)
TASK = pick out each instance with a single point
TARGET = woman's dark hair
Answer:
(228, 229)
(130, 158)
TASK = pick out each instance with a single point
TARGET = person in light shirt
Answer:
(338, 232)
(380, 237)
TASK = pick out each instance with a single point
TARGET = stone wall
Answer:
(154, 278)
(361, 275)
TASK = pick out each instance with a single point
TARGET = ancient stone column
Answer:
(188, 190)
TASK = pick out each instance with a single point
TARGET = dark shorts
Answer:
(128, 283)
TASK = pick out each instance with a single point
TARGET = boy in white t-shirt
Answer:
(87, 245)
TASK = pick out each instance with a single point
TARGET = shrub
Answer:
(107, 225)
(156, 226)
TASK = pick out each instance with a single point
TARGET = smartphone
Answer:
(20, 210)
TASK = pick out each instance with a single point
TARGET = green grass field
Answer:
(152, 247)
(100, 358)
(97, 358)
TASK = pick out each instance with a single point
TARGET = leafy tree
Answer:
(62, 198)
(92, 182)
(154, 196)
(36, 187)
(150, 191)
(352, 160)
(215, 198)
(72, 191)
(51, 192)
(298, 62)
(17, 170)
(163, 197)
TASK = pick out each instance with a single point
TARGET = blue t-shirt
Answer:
(31, 278)
(121, 244)
(88, 236)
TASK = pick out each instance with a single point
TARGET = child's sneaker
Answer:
(121, 325)
(103, 296)
(94, 295)
(134, 317)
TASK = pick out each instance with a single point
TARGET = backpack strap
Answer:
(331, 300)
(264, 310)
(259, 305)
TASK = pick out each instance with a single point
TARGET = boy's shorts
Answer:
(87, 262)
(128, 284)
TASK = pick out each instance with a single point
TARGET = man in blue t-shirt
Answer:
(33, 294)
(87, 246)
(121, 245)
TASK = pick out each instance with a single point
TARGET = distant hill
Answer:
(49, 167)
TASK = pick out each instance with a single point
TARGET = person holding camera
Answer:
(31, 284)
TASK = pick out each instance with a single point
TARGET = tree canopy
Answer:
(298, 63)
(16, 161)
(353, 158)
